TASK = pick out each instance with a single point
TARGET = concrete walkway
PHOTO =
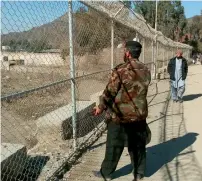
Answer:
(193, 107)
(170, 155)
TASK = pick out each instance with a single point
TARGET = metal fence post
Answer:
(143, 50)
(172, 52)
(163, 56)
(156, 55)
(112, 44)
(153, 61)
(72, 72)
(9, 64)
(167, 55)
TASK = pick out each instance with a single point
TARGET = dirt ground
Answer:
(18, 116)
(21, 78)
(25, 77)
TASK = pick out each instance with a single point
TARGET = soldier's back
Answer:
(131, 98)
(134, 71)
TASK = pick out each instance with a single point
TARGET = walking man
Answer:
(125, 103)
(178, 69)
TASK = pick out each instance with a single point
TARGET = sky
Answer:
(23, 15)
(192, 8)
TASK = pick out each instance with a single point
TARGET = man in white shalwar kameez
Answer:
(178, 69)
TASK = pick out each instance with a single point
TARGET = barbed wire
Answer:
(37, 131)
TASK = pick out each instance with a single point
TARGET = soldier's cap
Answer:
(133, 45)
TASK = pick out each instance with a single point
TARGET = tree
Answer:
(170, 18)
(82, 10)
(128, 3)
(147, 9)
(13, 45)
(38, 45)
(186, 39)
(64, 53)
(179, 18)
(194, 44)
(84, 35)
(194, 28)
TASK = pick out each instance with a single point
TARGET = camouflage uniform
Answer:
(124, 100)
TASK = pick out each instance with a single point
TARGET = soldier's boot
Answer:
(139, 177)
(100, 175)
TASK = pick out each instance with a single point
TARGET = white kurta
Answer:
(178, 74)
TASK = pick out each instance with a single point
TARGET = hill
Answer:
(91, 32)
(194, 27)
(51, 33)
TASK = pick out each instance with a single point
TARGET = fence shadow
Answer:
(97, 145)
(191, 97)
(32, 169)
(161, 154)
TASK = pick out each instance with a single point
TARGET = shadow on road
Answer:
(191, 97)
(34, 167)
(161, 154)
(98, 145)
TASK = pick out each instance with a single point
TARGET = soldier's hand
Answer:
(97, 111)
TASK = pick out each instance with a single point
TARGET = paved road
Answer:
(193, 107)
(174, 153)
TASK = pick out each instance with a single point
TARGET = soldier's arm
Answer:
(110, 91)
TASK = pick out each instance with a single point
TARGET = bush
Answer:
(64, 53)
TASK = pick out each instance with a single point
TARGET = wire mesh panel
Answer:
(169, 53)
(91, 39)
(122, 33)
(35, 87)
(148, 54)
(37, 98)
(92, 46)
(160, 55)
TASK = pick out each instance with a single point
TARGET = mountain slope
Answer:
(90, 33)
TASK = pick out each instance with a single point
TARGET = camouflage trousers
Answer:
(132, 135)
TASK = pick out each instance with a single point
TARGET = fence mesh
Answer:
(36, 94)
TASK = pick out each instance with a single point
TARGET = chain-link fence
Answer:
(56, 58)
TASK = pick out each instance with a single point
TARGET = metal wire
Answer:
(37, 109)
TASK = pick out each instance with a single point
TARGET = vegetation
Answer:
(171, 18)
(92, 31)
(171, 21)
(194, 28)
(24, 45)
(64, 53)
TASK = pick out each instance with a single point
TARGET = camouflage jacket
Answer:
(124, 97)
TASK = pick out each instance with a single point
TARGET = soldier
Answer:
(124, 100)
